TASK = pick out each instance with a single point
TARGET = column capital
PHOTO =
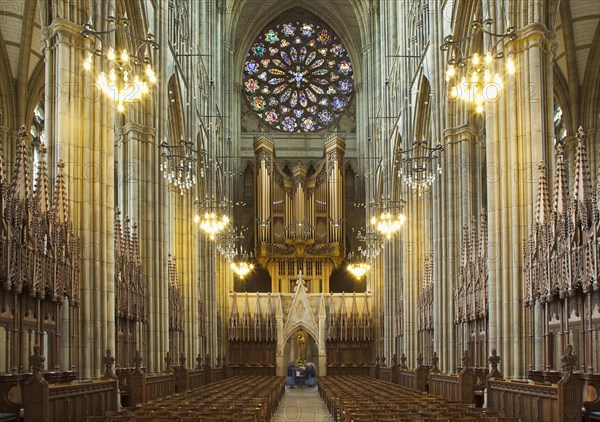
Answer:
(135, 131)
(461, 133)
(64, 29)
(535, 34)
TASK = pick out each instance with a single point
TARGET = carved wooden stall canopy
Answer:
(253, 331)
(252, 334)
(349, 335)
(39, 265)
(471, 291)
(425, 309)
(175, 309)
(131, 286)
(561, 265)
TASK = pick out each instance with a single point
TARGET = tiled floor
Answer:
(302, 405)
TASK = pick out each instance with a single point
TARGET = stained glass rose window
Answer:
(298, 76)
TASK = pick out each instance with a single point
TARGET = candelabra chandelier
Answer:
(389, 217)
(242, 268)
(229, 243)
(356, 267)
(373, 243)
(212, 217)
(130, 73)
(478, 83)
(229, 246)
(179, 165)
(419, 166)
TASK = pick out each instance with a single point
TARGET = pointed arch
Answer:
(423, 111)
(244, 31)
(176, 112)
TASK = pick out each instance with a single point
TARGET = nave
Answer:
(302, 405)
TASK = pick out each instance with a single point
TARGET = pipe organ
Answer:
(299, 210)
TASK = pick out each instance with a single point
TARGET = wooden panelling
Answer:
(528, 401)
(345, 370)
(195, 379)
(160, 385)
(252, 352)
(76, 401)
(406, 378)
(45, 402)
(251, 370)
(349, 352)
(444, 385)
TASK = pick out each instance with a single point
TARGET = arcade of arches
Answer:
(446, 148)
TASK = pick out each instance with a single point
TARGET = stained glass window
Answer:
(298, 76)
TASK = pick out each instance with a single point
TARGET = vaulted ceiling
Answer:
(21, 59)
(347, 18)
(577, 60)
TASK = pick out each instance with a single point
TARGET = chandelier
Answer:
(389, 218)
(372, 244)
(356, 267)
(358, 270)
(478, 83)
(418, 167)
(130, 73)
(179, 165)
(211, 217)
(242, 268)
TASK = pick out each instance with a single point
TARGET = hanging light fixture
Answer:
(373, 244)
(471, 77)
(212, 217)
(419, 167)
(388, 218)
(179, 165)
(356, 266)
(242, 268)
(130, 73)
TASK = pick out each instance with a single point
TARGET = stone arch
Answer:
(269, 11)
(176, 112)
(290, 329)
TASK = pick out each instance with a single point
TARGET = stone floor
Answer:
(302, 405)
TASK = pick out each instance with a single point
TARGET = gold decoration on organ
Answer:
(39, 263)
(299, 209)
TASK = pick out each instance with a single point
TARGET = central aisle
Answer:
(302, 405)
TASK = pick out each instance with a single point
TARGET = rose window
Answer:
(298, 76)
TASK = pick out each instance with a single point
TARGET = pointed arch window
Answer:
(298, 76)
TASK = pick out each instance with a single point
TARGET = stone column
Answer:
(519, 129)
(80, 131)
(459, 198)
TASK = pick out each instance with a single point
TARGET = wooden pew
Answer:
(44, 402)
(239, 399)
(352, 399)
(534, 401)
(591, 395)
